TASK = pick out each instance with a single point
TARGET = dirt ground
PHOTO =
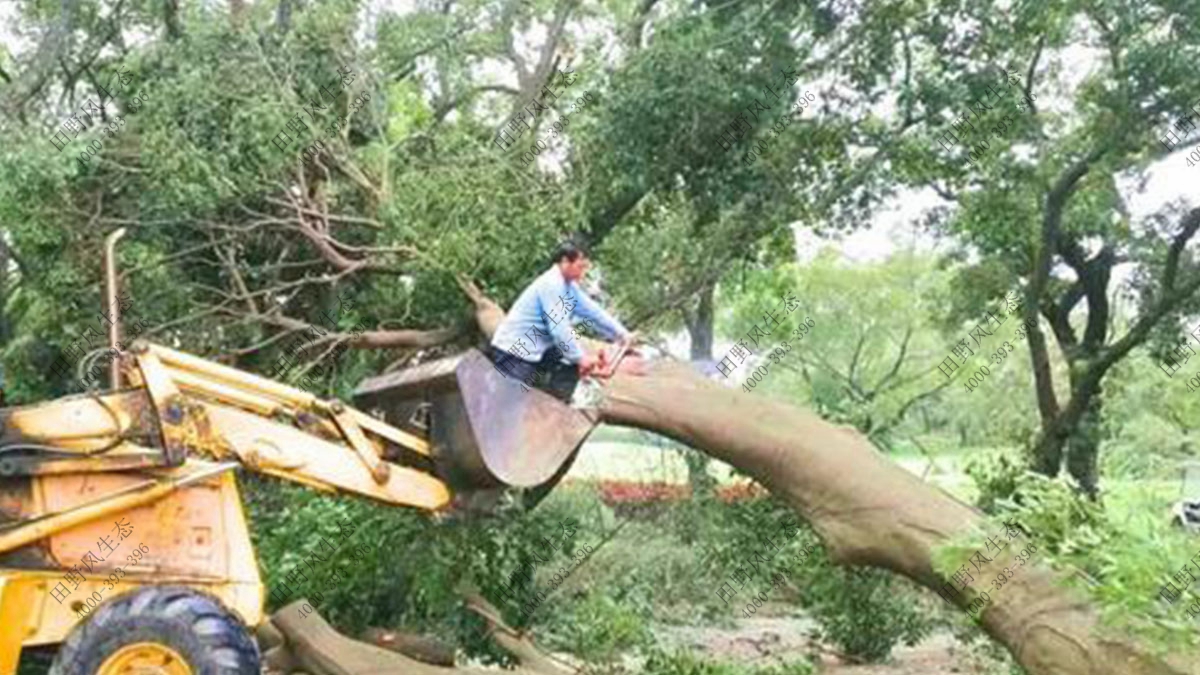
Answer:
(781, 640)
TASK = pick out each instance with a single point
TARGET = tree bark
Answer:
(171, 19)
(1047, 455)
(1083, 449)
(700, 327)
(1048, 451)
(415, 646)
(311, 645)
(869, 511)
(283, 16)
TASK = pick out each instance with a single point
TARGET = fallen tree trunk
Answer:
(420, 647)
(866, 509)
(870, 511)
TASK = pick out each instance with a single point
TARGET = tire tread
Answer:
(224, 643)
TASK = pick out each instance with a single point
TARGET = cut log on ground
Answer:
(420, 647)
(309, 644)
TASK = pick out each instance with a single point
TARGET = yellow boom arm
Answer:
(196, 407)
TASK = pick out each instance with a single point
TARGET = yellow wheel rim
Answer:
(145, 658)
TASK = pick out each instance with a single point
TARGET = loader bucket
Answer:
(484, 429)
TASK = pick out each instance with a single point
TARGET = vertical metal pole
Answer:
(114, 309)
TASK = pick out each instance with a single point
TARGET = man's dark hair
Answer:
(570, 250)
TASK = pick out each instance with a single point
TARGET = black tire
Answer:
(198, 627)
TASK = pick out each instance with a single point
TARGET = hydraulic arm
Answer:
(178, 405)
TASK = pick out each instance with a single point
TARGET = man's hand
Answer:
(588, 363)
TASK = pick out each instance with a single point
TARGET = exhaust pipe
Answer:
(114, 309)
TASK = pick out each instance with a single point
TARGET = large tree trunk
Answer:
(870, 511)
(1048, 452)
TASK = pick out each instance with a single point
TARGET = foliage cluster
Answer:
(1119, 561)
(663, 569)
(417, 569)
(864, 612)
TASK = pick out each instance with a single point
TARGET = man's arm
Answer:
(607, 325)
(548, 294)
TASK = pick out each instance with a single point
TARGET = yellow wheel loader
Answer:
(122, 534)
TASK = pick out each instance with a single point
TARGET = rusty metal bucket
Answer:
(485, 431)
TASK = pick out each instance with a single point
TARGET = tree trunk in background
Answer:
(3, 290)
(171, 19)
(1050, 447)
(283, 16)
(237, 13)
(1047, 455)
(700, 327)
(700, 334)
(1073, 434)
(1083, 449)
(868, 510)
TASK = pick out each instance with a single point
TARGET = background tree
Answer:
(1046, 192)
(867, 362)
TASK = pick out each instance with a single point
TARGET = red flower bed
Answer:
(632, 493)
(740, 492)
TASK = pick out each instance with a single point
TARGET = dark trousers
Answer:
(550, 374)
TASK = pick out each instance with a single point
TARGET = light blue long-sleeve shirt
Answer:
(541, 319)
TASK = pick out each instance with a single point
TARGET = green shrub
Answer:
(864, 612)
(598, 628)
(416, 569)
(684, 663)
(995, 474)
(648, 569)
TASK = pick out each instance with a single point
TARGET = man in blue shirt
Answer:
(537, 336)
